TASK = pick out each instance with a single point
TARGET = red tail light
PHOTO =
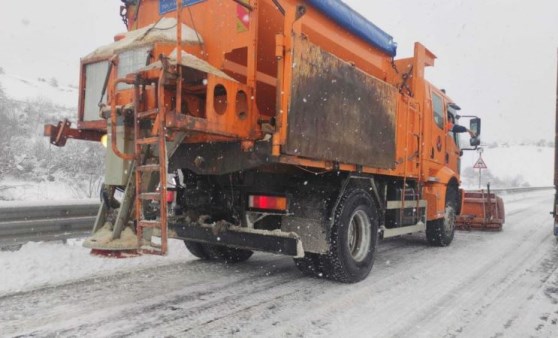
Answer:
(170, 196)
(267, 202)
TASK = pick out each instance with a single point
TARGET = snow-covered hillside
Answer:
(22, 89)
(31, 168)
(511, 165)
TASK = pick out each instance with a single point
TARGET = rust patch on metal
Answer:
(339, 113)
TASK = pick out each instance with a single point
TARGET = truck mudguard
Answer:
(445, 175)
(355, 23)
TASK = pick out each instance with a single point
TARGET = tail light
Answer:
(263, 202)
(170, 196)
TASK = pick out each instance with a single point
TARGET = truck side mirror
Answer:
(475, 141)
(475, 127)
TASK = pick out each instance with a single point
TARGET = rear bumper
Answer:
(278, 242)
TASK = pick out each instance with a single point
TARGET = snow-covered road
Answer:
(484, 285)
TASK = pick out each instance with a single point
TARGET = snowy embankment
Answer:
(38, 265)
(21, 89)
(511, 165)
(30, 167)
(24, 192)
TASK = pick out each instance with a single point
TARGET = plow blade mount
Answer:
(481, 211)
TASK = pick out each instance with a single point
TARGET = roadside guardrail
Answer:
(22, 224)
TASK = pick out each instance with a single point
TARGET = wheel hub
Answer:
(359, 235)
(449, 219)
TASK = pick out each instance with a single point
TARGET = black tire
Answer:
(353, 239)
(217, 252)
(440, 232)
(226, 254)
(197, 249)
(309, 265)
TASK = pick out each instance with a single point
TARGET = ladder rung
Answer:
(148, 140)
(149, 167)
(151, 251)
(149, 224)
(149, 113)
(154, 196)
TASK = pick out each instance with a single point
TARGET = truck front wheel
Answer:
(353, 239)
(440, 232)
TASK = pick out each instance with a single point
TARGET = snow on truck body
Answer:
(288, 127)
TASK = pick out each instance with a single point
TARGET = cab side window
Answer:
(452, 113)
(438, 108)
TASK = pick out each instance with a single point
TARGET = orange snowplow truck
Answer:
(284, 126)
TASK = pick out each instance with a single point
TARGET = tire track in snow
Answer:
(382, 283)
(99, 302)
(330, 309)
(500, 277)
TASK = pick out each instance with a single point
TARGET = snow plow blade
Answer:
(481, 210)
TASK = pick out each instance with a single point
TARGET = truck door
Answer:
(437, 151)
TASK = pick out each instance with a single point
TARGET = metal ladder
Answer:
(151, 159)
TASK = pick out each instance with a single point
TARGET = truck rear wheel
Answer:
(353, 239)
(440, 232)
(226, 254)
(197, 249)
(310, 264)
(217, 252)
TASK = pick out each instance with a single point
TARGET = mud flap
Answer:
(278, 242)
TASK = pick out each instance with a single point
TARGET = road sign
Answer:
(480, 164)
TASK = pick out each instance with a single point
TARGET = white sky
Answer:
(497, 58)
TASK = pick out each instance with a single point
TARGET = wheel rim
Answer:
(449, 220)
(359, 235)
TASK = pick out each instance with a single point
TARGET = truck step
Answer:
(149, 250)
(149, 224)
(147, 140)
(148, 114)
(149, 168)
(150, 196)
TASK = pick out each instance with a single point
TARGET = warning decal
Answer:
(243, 18)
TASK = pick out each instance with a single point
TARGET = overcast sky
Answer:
(496, 58)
